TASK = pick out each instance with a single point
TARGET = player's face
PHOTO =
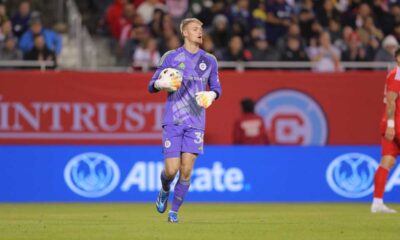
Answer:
(194, 33)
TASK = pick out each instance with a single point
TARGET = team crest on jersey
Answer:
(167, 144)
(202, 66)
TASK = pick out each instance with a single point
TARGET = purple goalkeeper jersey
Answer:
(198, 70)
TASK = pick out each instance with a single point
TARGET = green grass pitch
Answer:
(197, 221)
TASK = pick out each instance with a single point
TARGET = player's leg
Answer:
(183, 184)
(390, 150)
(172, 141)
(171, 167)
(192, 146)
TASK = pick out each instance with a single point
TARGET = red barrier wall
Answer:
(75, 107)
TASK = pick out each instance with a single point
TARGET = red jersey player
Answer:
(390, 128)
(249, 128)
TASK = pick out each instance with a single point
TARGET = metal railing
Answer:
(260, 65)
(237, 66)
(18, 64)
(80, 36)
(241, 66)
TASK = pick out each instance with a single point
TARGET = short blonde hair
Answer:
(186, 21)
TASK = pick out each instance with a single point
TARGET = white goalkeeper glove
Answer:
(205, 98)
(170, 85)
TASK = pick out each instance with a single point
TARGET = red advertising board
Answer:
(92, 108)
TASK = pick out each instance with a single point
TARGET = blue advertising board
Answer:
(223, 174)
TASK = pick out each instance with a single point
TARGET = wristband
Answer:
(390, 123)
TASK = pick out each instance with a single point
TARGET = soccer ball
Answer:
(170, 73)
(172, 76)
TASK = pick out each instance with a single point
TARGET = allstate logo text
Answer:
(91, 174)
(292, 117)
(352, 175)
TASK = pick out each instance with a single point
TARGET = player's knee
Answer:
(388, 162)
(170, 171)
(388, 165)
(186, 172)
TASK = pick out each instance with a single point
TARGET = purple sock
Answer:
(181, 188)
(165, 182)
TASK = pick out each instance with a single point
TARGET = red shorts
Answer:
(391, 148)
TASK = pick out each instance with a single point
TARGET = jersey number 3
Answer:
(199, 137)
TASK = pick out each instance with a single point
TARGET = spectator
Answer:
(168, 32)
(363, 12)
(316, 30)
(335, 30)
(255, 34)
(260, 16)
(386, 52)
(263, 52)
(147, 55)
(306, 18)
(177, 9)
(40, 52)
(113, 16)
(396, 31)
(20, 20)
(372, 48)
(369, 30)
(220, 31)
(146, 9)
(52, 39)
(208, 45)
(9, 50)
(208, 13)
(156, 24)
(241, 15)
(128, 19)
(249, 128)
(355, 50)
(173, 43)
(235, 51)
(325, 57)
(294, 51)
(390, 19)
(3, 13)
(293, 31)
(327, 13)
(280, 14)
(138, 34)
(343, 42)
(6, 31)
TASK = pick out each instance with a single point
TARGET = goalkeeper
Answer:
(184, 116)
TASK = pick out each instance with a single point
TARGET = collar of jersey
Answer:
(191, 54)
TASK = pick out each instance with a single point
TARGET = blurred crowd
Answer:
(325, 32)
(23, 36)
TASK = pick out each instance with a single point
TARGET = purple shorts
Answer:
(180, 138)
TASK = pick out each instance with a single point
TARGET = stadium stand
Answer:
(240, 33)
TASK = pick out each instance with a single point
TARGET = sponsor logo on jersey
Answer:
(182, 65)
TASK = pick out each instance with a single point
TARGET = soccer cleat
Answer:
(162, 201)
(381, 208)
(173, 217)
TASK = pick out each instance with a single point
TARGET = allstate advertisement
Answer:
(223, 174)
